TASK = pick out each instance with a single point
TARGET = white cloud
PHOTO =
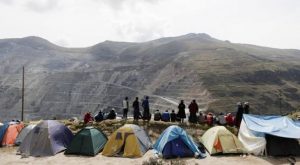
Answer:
(7, 2)
(274, 23)
(41, 5)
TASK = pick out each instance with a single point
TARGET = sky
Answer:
(81, 23)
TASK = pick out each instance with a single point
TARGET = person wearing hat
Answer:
(239, 114)
(246, 108)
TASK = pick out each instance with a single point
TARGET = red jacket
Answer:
(87, 118)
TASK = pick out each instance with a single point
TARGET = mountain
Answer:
(65, 82)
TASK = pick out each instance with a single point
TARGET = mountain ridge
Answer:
(65, 82)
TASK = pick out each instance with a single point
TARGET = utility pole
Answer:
(23, 91)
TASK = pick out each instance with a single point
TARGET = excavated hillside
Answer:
(66, 82)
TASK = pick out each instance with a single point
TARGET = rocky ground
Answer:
(8, 157)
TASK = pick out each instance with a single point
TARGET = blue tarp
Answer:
(3, 131)
(281, 126)
(171, 133)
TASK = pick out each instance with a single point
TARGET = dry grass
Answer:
(153, 128)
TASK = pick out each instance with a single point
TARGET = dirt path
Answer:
(8, 157)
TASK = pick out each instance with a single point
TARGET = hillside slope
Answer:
(65, 82)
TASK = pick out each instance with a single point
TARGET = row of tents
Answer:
(269, 135)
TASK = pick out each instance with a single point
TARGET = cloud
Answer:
(62, 42)
(41, 6)
(7, 2)
(141, 30)
(121, 4)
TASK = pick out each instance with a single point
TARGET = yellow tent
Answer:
(128, 141)
(219, 140)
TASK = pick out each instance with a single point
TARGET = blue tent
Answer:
(2, 131)
(175, 142)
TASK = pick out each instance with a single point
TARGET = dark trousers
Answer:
(125, 111)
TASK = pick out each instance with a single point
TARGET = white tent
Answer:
(270, 135)
(253, 143)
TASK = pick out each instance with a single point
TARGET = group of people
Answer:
(146, 115)
(195, 116)
(242, 108)
(100, 116)
(181, 115)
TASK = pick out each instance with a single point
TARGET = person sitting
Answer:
(157, 115)
(201, 118)
(173, 116)
(88, 118)
(112, 114)
(165, 116)
(209, 118)
(99, 117)
(222, 120)
(229, 119)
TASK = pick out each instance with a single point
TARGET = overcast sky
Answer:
(80, 23)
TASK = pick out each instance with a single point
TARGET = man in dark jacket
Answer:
(145, 105)
(99, 117)
(193, 108)
(136, 109)
(112, 114)
(181, 111)
(157, 115)
(239, 114)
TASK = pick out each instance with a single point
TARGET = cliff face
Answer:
(65, 82)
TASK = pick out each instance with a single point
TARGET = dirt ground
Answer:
(8, 157)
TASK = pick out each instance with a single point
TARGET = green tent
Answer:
(88, 141)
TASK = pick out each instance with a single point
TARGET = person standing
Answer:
(145, 105)
(239, 114)
(181, 111)
(193, 108)
(125, 107)
(246, 108)
(136, 109)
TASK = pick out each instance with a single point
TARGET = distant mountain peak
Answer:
(202, 35)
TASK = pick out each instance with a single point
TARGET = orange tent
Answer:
(11, 134)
